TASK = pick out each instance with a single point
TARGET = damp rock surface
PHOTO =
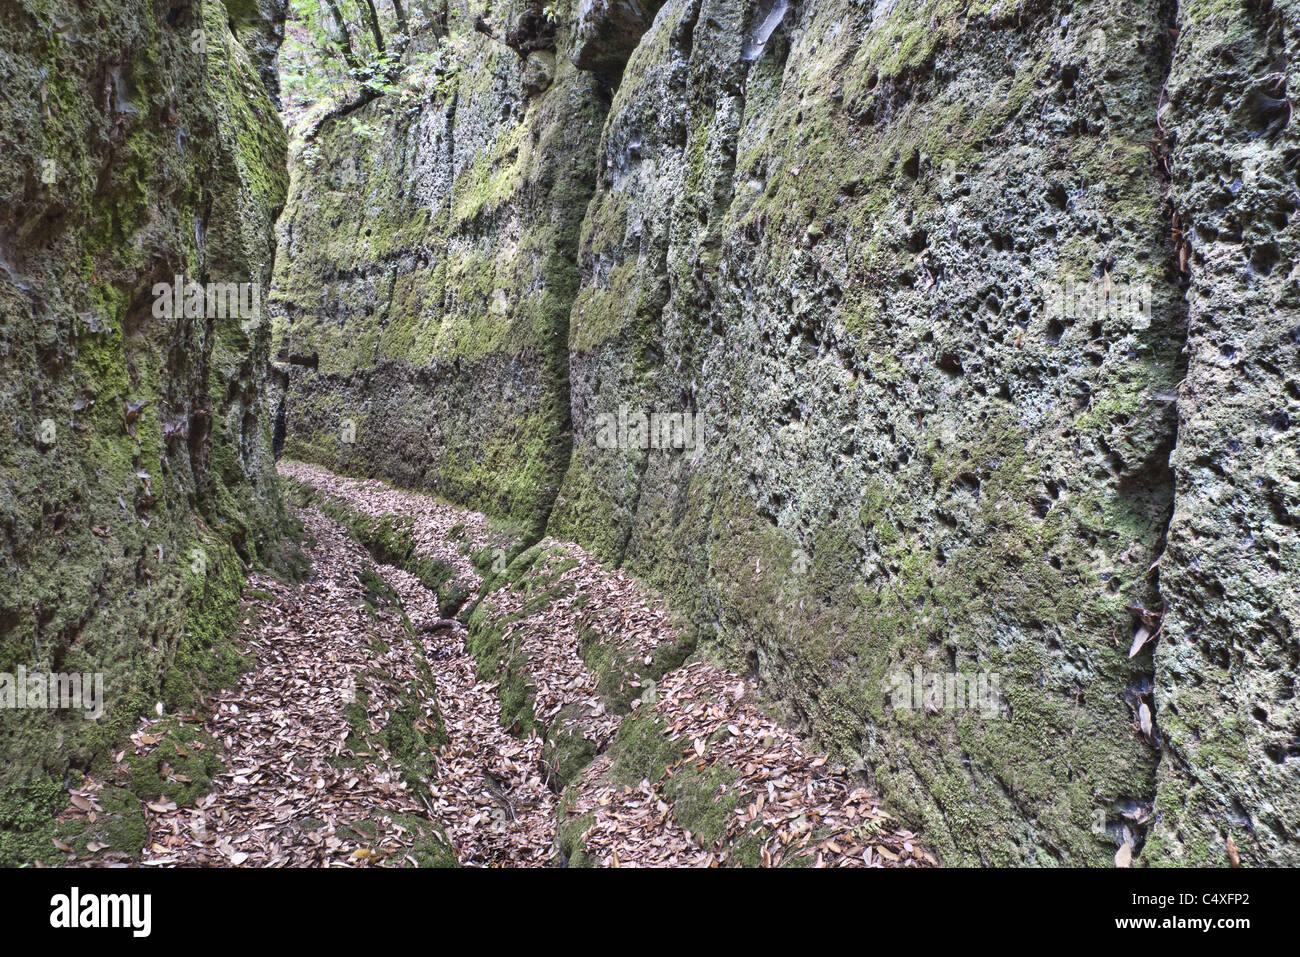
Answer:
(141, 143)
(904, 346)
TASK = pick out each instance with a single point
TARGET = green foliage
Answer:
(334, 50)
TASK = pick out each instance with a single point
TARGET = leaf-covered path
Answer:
(363, 733)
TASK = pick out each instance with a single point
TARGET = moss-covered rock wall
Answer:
(1226, 660)
(845, 250)
(944, 286)
(428, 268)
(140, 143)
(840, 253)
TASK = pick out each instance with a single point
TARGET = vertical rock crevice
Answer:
(1227, 657)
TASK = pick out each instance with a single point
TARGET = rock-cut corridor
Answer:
(363, 735)
(645, 432)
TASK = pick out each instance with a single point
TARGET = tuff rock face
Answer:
(605, 32)
(900, 344)
(427, 271)
(838, 251)
(140, 144)
(986, 318)
(1226, 661)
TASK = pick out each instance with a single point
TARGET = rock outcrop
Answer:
(915, 350)
(605, 32)
(1228, 655)
(839, 253)
(428, 269)
(141, 144)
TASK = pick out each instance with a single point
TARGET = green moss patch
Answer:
(119, 826)
(494, 656)
(178, 767)
(27, 825)
(208, 656)
(642, 750)
(566, 750)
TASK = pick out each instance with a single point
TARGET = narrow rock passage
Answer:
(300, 787)
(362, 733)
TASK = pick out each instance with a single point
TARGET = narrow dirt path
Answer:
(300, 786)
(362, 733)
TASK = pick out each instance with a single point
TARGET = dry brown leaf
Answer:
(1141, 638)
